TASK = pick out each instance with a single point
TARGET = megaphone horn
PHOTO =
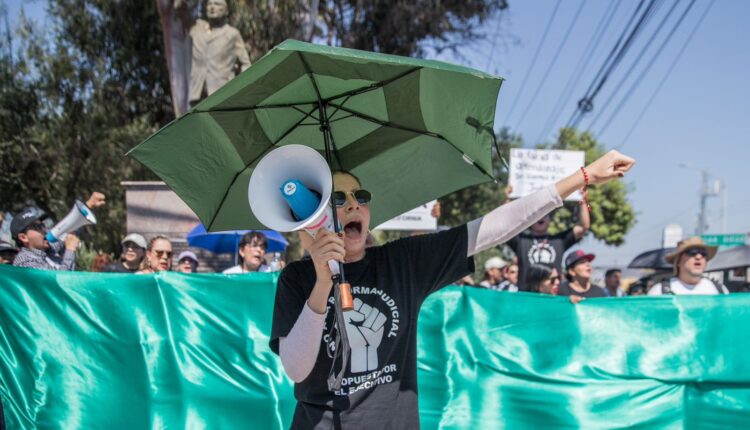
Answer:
(79, 216)
(290, 190)
(270, 182)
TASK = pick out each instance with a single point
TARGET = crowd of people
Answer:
(31, 246)
(539, 263)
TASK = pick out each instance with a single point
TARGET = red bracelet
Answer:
(585, 189)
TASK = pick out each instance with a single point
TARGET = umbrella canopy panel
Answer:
(399, 124)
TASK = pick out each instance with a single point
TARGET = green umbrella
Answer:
(411, 130)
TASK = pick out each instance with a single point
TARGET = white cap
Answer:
(135, 238)
(188, 254)
(495, 263)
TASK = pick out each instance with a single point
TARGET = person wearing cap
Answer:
(537, 246)
(578, 274)
(493, 273)
(187, 262)
(30, 233)
(8, 253)
(133, 251)
(689, 261)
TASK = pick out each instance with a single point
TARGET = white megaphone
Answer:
(290, 190)
(78, 217)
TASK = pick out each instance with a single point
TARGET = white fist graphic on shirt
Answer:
(364, 327)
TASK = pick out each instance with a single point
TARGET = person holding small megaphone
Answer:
(55, 248)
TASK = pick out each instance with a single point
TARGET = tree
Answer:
(91, 90)
(612, 216)
(91, 84)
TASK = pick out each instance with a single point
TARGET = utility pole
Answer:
(706, 191)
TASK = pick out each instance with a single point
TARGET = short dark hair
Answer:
(256, 236)
(535, 275)
(611, 272)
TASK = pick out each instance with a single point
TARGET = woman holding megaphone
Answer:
(388, 284)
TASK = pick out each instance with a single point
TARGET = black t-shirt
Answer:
(547, 249)
(379, 388)
(593, 291)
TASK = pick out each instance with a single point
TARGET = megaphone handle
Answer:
(347, 303)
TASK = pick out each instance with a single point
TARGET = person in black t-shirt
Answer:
(537, 246)
(388, 284)
(578, 273)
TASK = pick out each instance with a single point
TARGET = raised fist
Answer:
(364, 327)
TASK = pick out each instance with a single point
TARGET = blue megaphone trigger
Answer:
(302, 201)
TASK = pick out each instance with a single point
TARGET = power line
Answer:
(583, 62)
(495, 35)
(643, 73)
(533, 61)
(664, 79)
(638, 59)
(551, 64)
(585, 105)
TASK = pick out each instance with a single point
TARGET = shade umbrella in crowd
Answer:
(228, 242)
(653, 259)
(411, 130)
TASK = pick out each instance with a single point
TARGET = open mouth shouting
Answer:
(353, 230)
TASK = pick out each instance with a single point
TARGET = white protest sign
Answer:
(416, 219)
(532, 169)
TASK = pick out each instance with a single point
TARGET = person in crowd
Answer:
(133, 252)
(29, 231)
(8, 253)
(493, 273)
(158, 256)
(187, 262)
(252, 250)
(689, 261)
(538, 246)
(578, 275)
(637, 288)
(388, 285)
(510, 278)
(612, 283)
(543, 278)
(101, 261)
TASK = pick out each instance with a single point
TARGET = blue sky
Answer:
(701, 115)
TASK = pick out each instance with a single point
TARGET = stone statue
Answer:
(217, 49)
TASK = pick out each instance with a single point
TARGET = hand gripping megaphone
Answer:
(290, 190)
(78, 217)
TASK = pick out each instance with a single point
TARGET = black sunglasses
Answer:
(692, 252)
(363, 197)
(37, 226)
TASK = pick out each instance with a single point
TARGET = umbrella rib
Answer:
(372, 87)
(240, 109)
(321, 106)
(414, 130)
(286, 133)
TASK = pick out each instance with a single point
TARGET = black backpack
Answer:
(666, 286)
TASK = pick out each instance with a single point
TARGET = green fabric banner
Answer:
(87, 350)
